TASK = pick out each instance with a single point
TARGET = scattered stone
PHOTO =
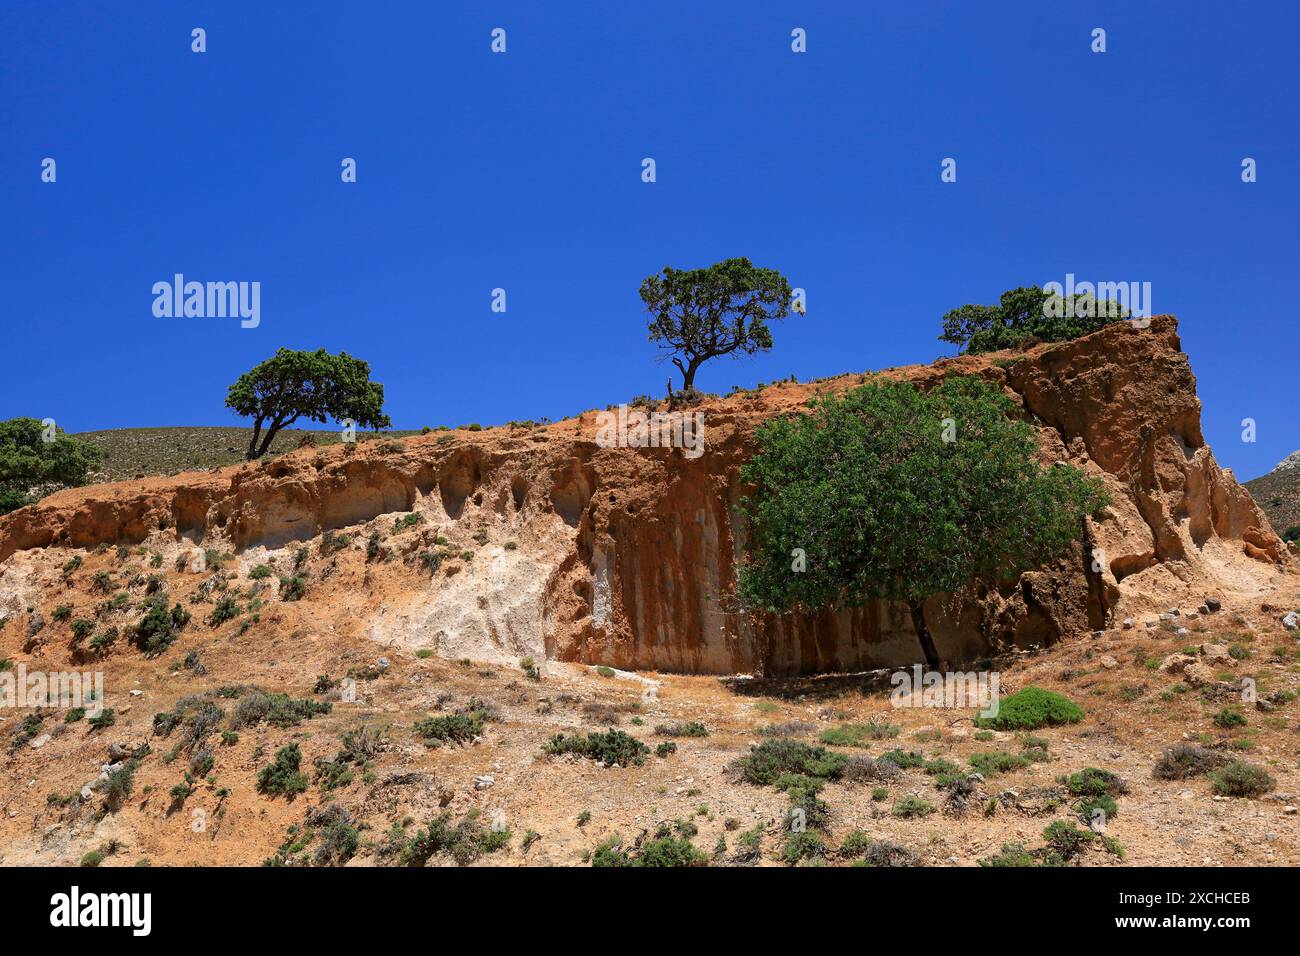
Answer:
(1265, 706)
(1213, 604)
(1176, 663)
(1128, 623)
(1199, 674)
(1217, 654)
(485, 781)
(40, 742)
(1109, 662)
(1291, 621)
(1182, 631)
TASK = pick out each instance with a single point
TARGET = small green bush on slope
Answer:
(1030, 708)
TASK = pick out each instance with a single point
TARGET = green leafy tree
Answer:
(699, 314)
(898, 494)
(36, 459)
(1025, 314)
(313, 385)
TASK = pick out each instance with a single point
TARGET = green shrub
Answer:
(610, 853)
(331, 542)
(1013, 854)
(282, 776)
(1087, 806)
(682, 729)
(101, 642)
(665, 850)
(1240, 779)
(260, 571)
(911, 806)
(992, 762)
(117, 786)
(226, 609)
(1031, 708)
(451, 728)
(159, 627)
(803, 846)
(407, 521)
(945, 772)
(1229, 717)
(293, 588)
(1095, 782)
(464, 842)
(1065, 839)
(278, 710)
(611, 747)
(772, 758)
(903, 759)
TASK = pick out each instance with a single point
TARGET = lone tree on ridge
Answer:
(699, 314)
(313, 385)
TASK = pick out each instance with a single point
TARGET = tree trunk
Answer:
(923, 635)
(252, 445)
(688, 376)
(270, 437)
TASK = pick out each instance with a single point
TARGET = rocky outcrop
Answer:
(628, 556)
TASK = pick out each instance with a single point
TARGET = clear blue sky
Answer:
(522, 171)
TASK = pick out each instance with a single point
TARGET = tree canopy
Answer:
(1026, 314)
(31, 465)
(898, 494)
(699, 314)
(317, 386)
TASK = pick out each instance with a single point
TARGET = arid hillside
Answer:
(364, 654)
(1278, 494)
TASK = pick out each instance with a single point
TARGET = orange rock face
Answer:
(628, 556)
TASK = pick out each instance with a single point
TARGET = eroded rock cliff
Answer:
(537, 541)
